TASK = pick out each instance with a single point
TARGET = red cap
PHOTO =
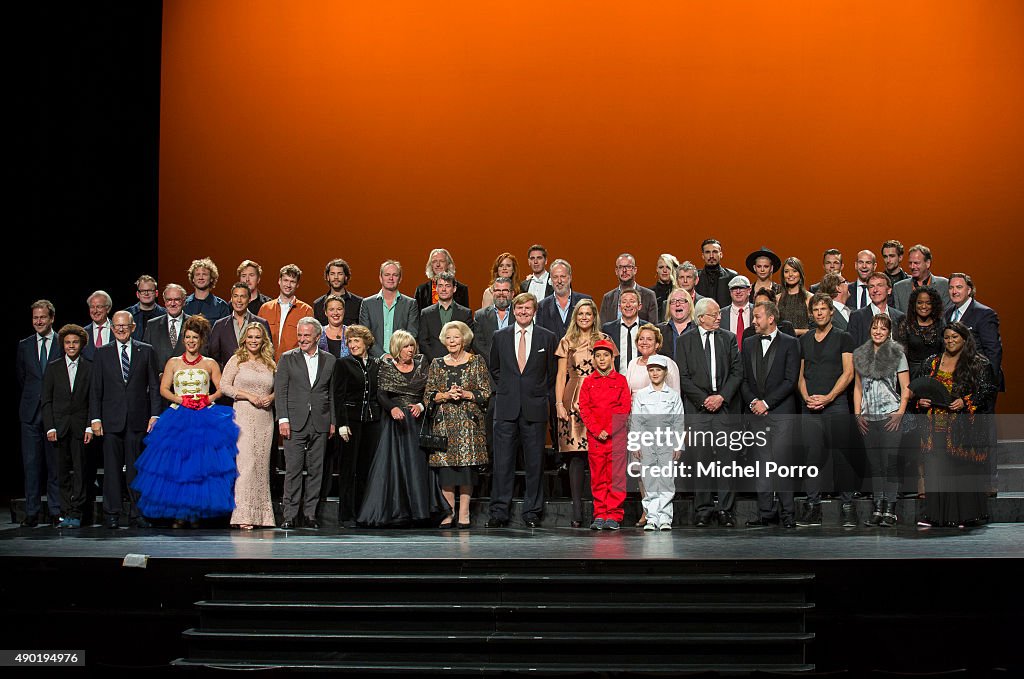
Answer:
(606, 345)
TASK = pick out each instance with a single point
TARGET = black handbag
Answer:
(428, 439)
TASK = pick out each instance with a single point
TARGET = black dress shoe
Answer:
(312, 524)
(288, 525)
(726, 519)
(760, 522)
(112, 522)
(140, 522)
(497, 523)
(30, 521)
(788, 522)
(348, 523)
(812, 516)
(54, 519)
(531, 523)
(703, 520)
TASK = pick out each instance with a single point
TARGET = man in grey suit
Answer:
(389, 310)
(304, 395)
(491, 319)
(860, 320)
(625, 270)
(159, 330)
(919, 261)
(434, 317)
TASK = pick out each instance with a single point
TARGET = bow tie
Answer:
(766, 338)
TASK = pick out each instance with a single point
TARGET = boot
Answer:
(848, 514)
(876, 516)
(889, 517)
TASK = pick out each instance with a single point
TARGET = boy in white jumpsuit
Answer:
(657, 406)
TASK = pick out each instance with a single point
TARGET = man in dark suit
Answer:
(982, 320)
(304, 395)
(226, 334)
(713, 279)
(389, 310)
(710, 375)
(161, 330)
(624, 330)
(539, 281)
(831, 262)
(435, 316)
(98, 329)
(35, 352)
(124, 401)
(65, 406)
(146, 308)
(440, 260)
(555, 311)
(337, 273)
(625, 271)
(523, 366)
(859, 326)
(771, 368)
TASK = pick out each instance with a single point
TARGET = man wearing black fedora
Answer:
(763, 264)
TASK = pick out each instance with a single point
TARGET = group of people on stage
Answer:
(408, 399)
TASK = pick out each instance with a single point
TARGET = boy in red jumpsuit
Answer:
(604, 406)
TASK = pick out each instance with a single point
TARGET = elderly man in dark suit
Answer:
(164, 333)
(710, 375)
(523, 366)
(226, 334)
(435, 316)
(304, 396)
(555, 310)
(98, 330)
(771, 369)
(124, 401)
(389, 310)
(859, 326)
(35, 352)
(625, 271)
(65, 405)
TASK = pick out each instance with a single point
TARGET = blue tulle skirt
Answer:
(188, 469)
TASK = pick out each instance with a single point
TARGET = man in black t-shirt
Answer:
(826, 370)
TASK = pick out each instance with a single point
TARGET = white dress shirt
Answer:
(962, 309)
(312, 363)
(714, 366)
(538, 285)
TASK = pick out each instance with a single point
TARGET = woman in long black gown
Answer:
(400, 489)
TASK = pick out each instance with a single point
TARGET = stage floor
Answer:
(994, 541)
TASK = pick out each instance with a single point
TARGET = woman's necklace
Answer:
(185, 360)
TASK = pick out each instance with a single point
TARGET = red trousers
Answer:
(607, 478)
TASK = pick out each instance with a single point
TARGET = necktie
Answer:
(42, 356)
(72, 372)
(863, 297)
(521, 354)
(125, 365)
(739, 328)
(629, 342)
(956, 315)
(99, 336)
(707, 355)
(172, 331)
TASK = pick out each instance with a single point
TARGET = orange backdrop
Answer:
(312, 129)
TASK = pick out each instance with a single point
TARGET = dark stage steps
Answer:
(505, 622)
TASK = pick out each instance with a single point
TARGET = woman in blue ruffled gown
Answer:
(188, 470)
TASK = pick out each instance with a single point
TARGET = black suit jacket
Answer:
(720, 292)
(859, 326)
(984, 324)
(783, 373)
(349, 389)
(784, 327)
(430, 328)
(694, 379)
(89, 350)
(222, 342)
(124, 406)
(65, 410)
(523, 394)
(668, 337)
(30, 378)
(549, 318)
(611, 328)
(424, 298)
(352, 304)
(156, 337)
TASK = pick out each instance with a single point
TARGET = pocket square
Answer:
(541, 351)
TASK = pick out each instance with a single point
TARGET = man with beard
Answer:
(203, 275)
(555, 311)
(713, 280)
(337, 273)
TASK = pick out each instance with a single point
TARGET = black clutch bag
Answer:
(428, 439)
